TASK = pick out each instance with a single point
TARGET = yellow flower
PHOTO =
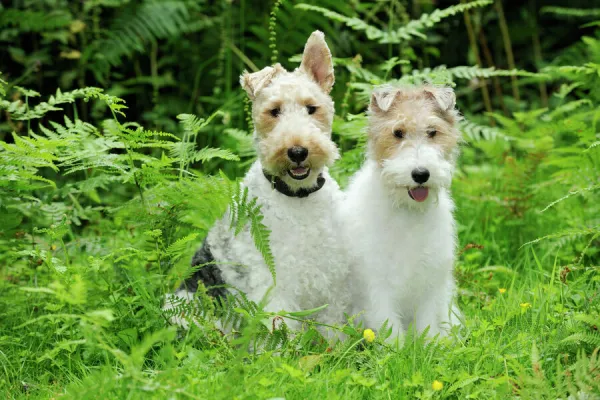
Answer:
(525, 305)
(502, 290)
(437, 385)
(369, 335)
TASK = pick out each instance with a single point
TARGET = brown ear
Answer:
(443, 95)
(254, 82)
(383, 98)
(317, 62)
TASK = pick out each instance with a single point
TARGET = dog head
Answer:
(414, 140)
(292, 114)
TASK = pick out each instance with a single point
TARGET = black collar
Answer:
(283, 188)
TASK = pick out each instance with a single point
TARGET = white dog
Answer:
(292, 114)
(398, 211)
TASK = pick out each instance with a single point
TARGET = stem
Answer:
(228, 59)
(507, 48)
(490, 62)
(537, 51)
(28, 119)
(182, 162)
(154, 71)
(242, 57)
(131, 164)
(64, 247)
(484, 89)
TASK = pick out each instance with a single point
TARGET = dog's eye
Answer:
(431, 133)
(275, 112)
(399, 133)
(311, 109)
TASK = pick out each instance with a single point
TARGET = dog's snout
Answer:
(297, 153)
(420, 175)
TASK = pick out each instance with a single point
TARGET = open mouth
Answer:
(299, 173)
(419, 193)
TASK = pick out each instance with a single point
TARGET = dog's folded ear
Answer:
(443, 95)
(254, 82)
(383, 98)
(317, 62)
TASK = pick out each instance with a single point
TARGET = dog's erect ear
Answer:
(317, 62)
(383, 98)
(253, 82)
(443, 95)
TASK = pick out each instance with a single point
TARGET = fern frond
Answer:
(415, 27)
(34, 21)
(243, 210)
(588, 68)
(411, 30)
(588, 319)
(20, 111)
(244, 142)
(357, 24)
(572, 12)
(570, 194)
(141, 24)
(565, 233)
(208, 153)
(193, 124)
(3, 84)
(176, 249)
(586, 337)
(474, 132)
(592, 146)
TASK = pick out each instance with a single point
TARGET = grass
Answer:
(99, 221)
(97, 331)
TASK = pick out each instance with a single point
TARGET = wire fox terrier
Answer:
(398, 211)
(292, 114)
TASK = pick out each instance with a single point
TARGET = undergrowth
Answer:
(102, 206)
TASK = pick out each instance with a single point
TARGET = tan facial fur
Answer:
(416, 111)
(294, 109)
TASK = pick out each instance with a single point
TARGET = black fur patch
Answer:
(209, 274)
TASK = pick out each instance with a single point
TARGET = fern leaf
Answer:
(572, 12)
(415, 27)
(357, 24)
(140, 24)
(260, 235)
(208, 153)
(34, 21)
(475, 132)
(411, 30)
(567, 232)
(570, 194)
(578, 338)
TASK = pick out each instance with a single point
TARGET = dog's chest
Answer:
(415, 251)
(305, 240)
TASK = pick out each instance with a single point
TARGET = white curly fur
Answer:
(310, 257)
(405, 249)
(311, 262)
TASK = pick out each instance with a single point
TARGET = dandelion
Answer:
(369, 335)
(502, 290)
(525, 305)
(437, 385)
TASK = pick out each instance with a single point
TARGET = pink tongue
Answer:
(419, 193)
(299, 170)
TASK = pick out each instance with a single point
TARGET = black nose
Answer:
(420, 175)
(298, 153)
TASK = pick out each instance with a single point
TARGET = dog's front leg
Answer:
(436, 311)
(381, 311)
